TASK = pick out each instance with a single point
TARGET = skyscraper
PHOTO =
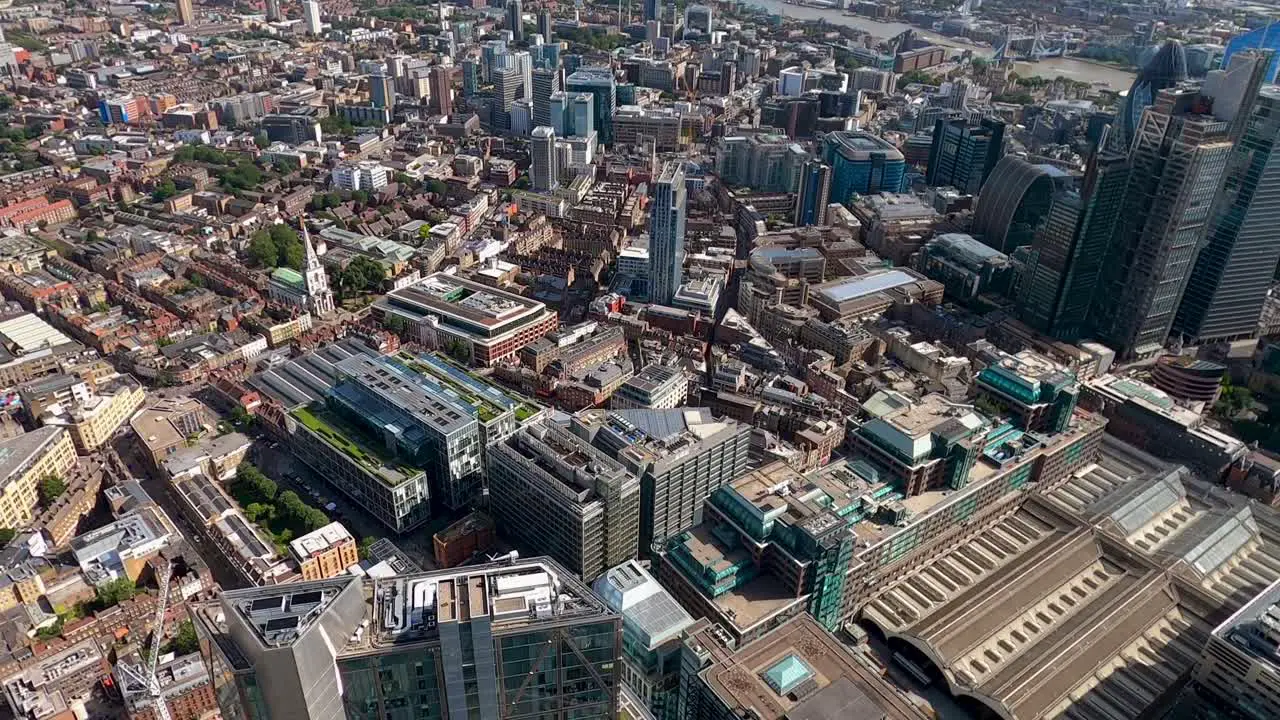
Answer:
(600, 83)
(515, 21)
(666, 233)
(963, 154)
(545, 82)
(698, 19)
(1067, 253)
(470, 77)
(1234, 269)
(382, 91)
(815, 193)
(442, 89)
(274, 13)
(493, 55)
(505, 84)
(653, 10)
(1176, 164)
(545, 28)
(1167, 68)
(542, 152)
(523, 63)
(311, 13)
(186, 12)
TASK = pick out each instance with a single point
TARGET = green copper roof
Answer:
(288, 276)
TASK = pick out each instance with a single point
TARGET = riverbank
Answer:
(1073, 68)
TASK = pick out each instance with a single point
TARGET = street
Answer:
(160, 490)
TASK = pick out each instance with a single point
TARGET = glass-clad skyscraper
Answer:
(1266, 37)
(1167, 68)
(603, 88)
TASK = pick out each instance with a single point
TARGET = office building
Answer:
(441, 81)
(964, 266)
(521, 118)
(653, 625)
(1015, 202)
(325, 552)
(515, 21)
(522, 61)
(656, 387)
(1176, 164)
(122, 549)
(1230, 280)
(653, 10)
(186, 12)
(546, 82)
(274, 11)
(382, 91)
(93, 417)
(467, 642)
(600, 84)
(493, 55)
(862, 163)
(1036, 393)
(24, 461)
(666, 233)
(1153, 421)
(963, 154)
(698, 20)
(1239, 668)
(124, 109)
(929, 444)
(445, 312)
(766, 162)
(470, 77)
(681, 456)
(1265, 36)
(1166, 69)
(311, 15)
(544, 170)
(545, 28)
(392, 440)
(506, 85)
(798, 670)
(550, 490)
(292, 129)
(1068, 250)
(814, 194)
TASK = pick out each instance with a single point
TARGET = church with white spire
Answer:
(307, 290)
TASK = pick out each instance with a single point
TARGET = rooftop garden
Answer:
(345, 438)
(486, 409)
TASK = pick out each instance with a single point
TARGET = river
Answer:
(1070, 68)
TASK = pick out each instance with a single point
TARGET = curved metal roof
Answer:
(1008, 183)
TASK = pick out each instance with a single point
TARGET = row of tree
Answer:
(283, 513)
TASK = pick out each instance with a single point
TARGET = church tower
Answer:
(315, 279)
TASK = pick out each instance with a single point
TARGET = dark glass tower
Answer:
(963, 154)
(1233, 272)
(1066, 255)
(1167, 68)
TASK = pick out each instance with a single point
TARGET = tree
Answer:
(251, 486)
(198, 280)
(241, 417)
(50, 488)
(360, 196)
(164, 191)
(437, 186)
(114, 592)
(459, 351)
(365, 543)
(7, 535)
(263, 251)
(916, 76)
(261, 140)
(293, 255)
(186, 641)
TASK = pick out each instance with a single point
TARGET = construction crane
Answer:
(141, 679)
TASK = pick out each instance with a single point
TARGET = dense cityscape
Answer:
(764, 360)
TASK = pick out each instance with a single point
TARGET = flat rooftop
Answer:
(319, 540)
(410, 608)
(800, 672)
(838, 291)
